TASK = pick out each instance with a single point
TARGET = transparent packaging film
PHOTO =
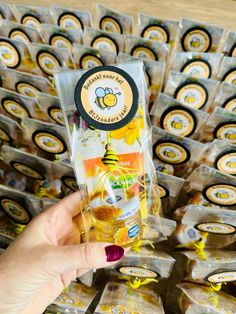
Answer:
(119, 177)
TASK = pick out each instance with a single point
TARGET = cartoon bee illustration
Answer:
(234, 82)
(177, 123)
(105, 97)
(190, 98)
(195, 42)
(169, 153)
(231, 135)
(49, 143)
(108, 27)
(6, 55)
(222, 194)
(154, 36)
(15, 211)
(231, 163)
(16, 110)
(49, 64)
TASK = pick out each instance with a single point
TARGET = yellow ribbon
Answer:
(138, 244)
(136, 282)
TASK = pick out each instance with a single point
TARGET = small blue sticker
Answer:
(133, 231)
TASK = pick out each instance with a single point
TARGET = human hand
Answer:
(47, 256)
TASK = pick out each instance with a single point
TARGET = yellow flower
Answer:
(131, 131)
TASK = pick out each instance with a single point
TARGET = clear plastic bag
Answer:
(76, 299)
(197, 64)
(50, 140)
(172, 116)
(192, 298)
(10, 131)
(113, 21)
(218, 266)
(227, 71)
(145, 264)
(32, 16)
(221, 125)
(222, 156)
(120, 200)
(6, 12)
(26, 84)
(154, 72)
(102, 40)
(18, 106)
(170, 188)
(211, 188)
(199, 37)
(51, 107)
(19, 32)
(50, 59)
(147, 49)
(197, 93)
(158, 29)
(226, 97)
(86, 57)
(21, 207)
(15, 54)
(43, 178)
(119, 297)
(61, 37)
(230, 44)
(74, 19)
(179, 153)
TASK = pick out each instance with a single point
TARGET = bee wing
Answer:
(100, 92)
(110, 90)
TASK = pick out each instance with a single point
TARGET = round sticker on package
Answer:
(70, 182)
(197, 68)
(70, 20)
(88, 61)
(226, 132)
(192, 94)
(60, 41)
(230, 104)
(230, 77)
(220, 194)
(106, 97)
(19, 34)
(196, 39)
(137, 271)
(105, 42)
(49, 142)
(26, 170)
(232, 52)
(110, 24)
(140, 51)
(164, 192)
(14, 108)
(56, 115)
(47, 62)
(171, 152)
(27, 89)
(156, 32)
(9, 54)
(15, 211)
(222, 276)
(31, 21)
(4, 136)
(226, 162)
(179, 121)
(216, 228)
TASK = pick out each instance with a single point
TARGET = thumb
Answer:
(90, 255)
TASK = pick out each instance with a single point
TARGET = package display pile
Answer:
(141, 118)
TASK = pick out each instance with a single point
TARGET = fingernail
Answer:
(114, 253)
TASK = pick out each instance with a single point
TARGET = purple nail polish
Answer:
(114, 253)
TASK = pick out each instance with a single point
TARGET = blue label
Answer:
(133, 231)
